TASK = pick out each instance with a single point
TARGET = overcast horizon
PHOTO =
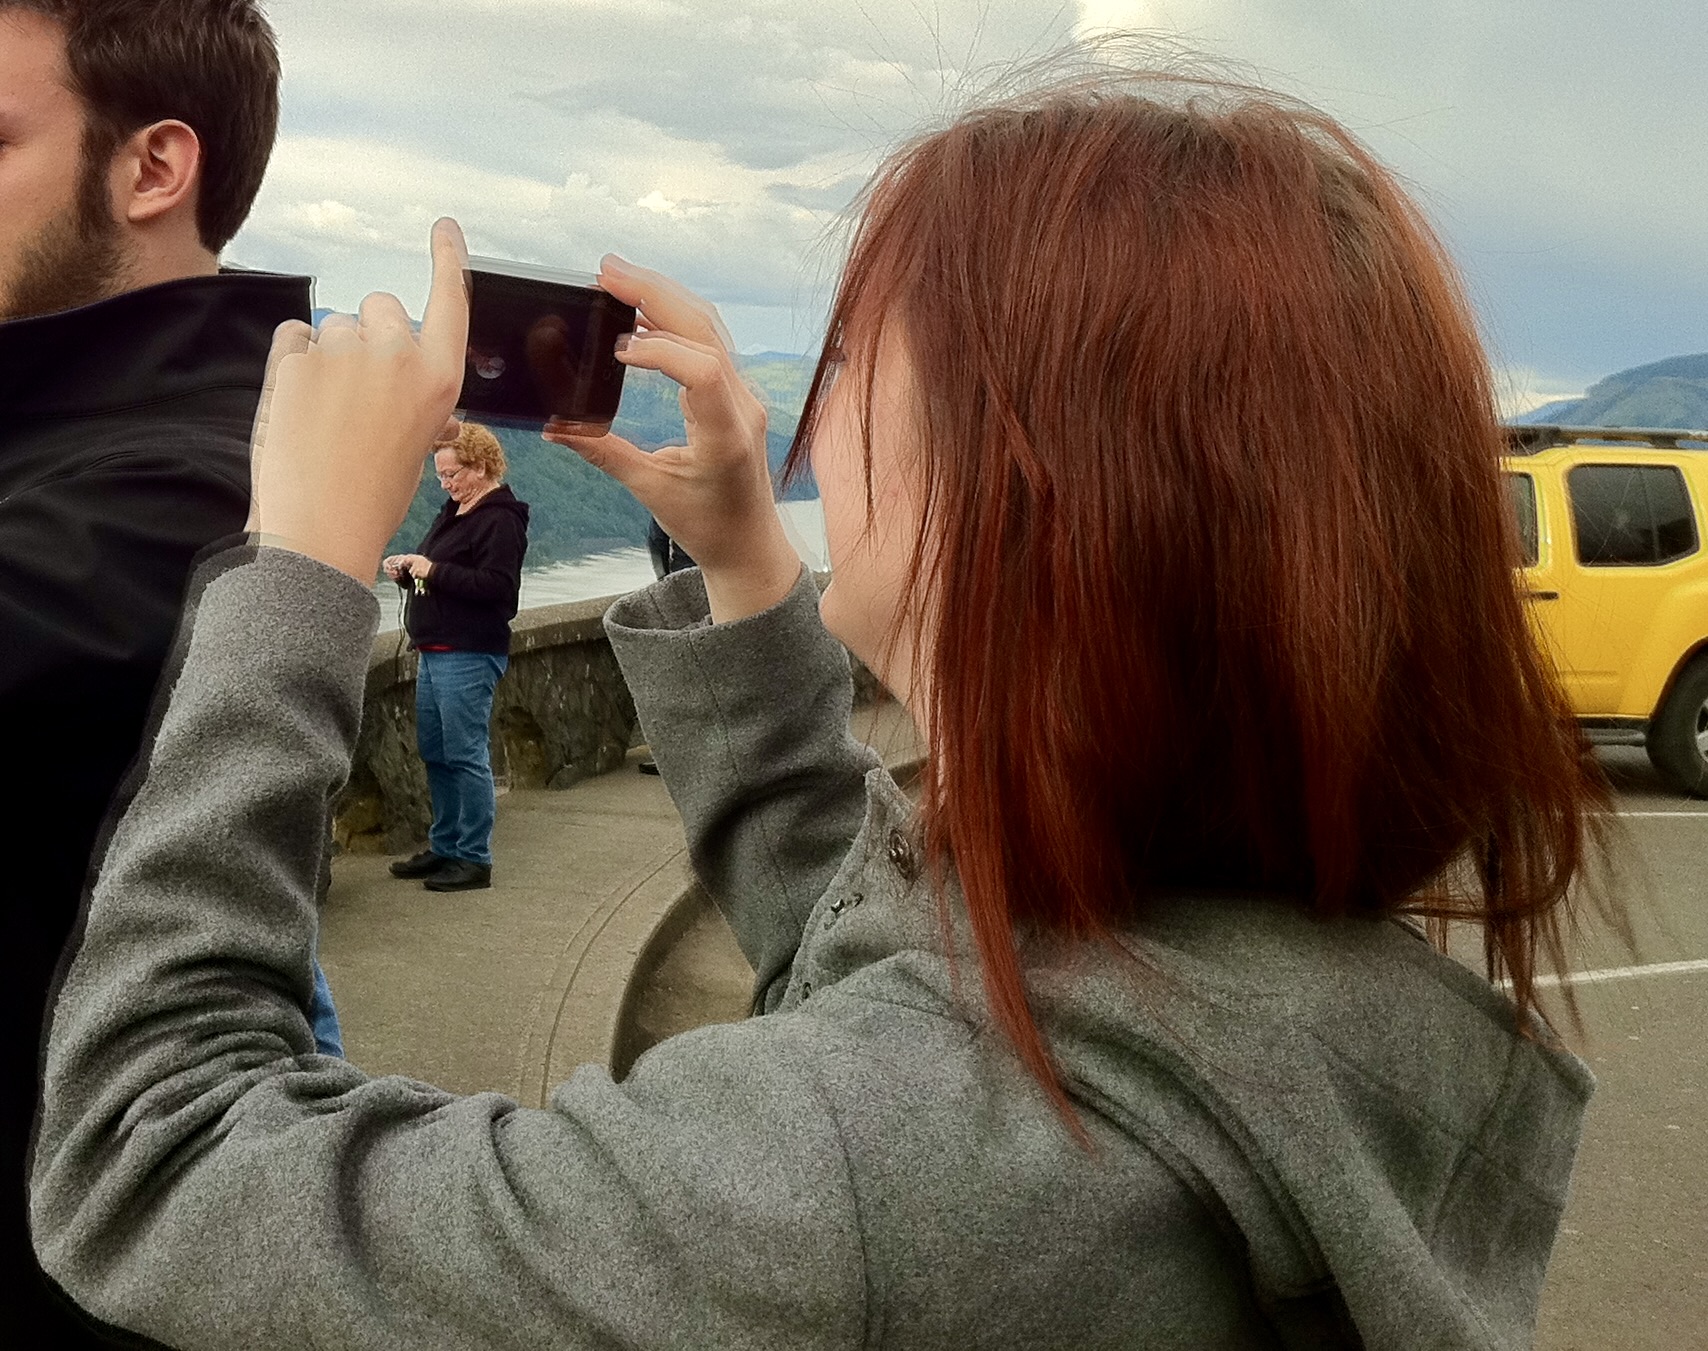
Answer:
(722, 141)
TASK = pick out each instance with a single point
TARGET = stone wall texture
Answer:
(561, 714)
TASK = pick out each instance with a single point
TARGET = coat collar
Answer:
(498, 497)
(146, 346)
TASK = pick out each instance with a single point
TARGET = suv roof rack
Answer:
(1530, 440)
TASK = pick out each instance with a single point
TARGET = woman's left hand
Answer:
(713, 494)
(350, 413)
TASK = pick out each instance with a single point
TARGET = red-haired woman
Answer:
(1160, 472)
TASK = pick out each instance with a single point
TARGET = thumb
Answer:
(613, 456)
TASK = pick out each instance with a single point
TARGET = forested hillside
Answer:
(576, 510)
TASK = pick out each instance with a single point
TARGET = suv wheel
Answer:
(1678, 736)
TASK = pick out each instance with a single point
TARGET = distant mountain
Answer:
(1669, 393)
(576, 510)
(1558, 414)
(784, 380)
(651, 412)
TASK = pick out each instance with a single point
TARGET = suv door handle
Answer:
(1541, 595)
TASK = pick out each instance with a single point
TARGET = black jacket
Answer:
(469, 597)
(124, 451)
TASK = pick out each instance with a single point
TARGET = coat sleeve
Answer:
(201, 1177)
(496, 573)
(749, 724)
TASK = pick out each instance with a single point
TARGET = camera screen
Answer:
(542, 349)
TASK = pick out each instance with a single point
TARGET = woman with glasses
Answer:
(461, 588)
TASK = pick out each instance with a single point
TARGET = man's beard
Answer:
(77, 258)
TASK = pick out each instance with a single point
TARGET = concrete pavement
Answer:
(487, 990)
(511, 988)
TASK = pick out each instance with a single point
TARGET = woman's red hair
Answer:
(1217, 568)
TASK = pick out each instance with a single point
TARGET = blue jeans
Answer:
(328, 1036)
(453, 711)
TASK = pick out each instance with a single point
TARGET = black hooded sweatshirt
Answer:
(468, 599)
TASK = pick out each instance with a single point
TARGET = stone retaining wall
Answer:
(561, 714)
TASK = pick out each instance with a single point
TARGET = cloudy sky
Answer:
(1561, 146)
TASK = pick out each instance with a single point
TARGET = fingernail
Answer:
(624, 341)
(448, 226)
(612, 263)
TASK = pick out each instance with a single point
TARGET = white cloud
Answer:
(719, 138)
(334, 222)
(747, 249)
(1096, 16)
(715, 139)
(1553, 143)
(1520, 389)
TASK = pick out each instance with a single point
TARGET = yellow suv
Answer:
(1614, 525)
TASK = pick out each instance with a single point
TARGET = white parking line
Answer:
(1627, 972)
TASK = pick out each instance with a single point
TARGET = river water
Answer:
(621, 570)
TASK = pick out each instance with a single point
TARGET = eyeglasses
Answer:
(453, 476)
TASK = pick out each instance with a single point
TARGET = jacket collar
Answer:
(147, 346)
(497, 496)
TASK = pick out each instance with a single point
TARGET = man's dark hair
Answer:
(212, 64)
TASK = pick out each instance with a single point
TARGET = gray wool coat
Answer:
(1304, 1134)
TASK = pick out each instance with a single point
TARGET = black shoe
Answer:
(424, 864)
(459, 874)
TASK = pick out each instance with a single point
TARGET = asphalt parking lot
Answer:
(1630, 1270)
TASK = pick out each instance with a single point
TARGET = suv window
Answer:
(1630, 514)
(1522, 489)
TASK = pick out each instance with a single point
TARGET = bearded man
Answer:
(133, 139)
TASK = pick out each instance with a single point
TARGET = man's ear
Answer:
(158, 170)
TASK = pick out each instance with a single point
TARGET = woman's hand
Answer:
(416, 565)
(348, 414)
(712, 495)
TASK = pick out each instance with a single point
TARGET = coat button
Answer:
(901, 857)
(840, 904)
(806, 990)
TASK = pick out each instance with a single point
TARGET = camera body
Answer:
(542, 345)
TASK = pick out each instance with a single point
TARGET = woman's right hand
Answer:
(713, 496)
(349, 413)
